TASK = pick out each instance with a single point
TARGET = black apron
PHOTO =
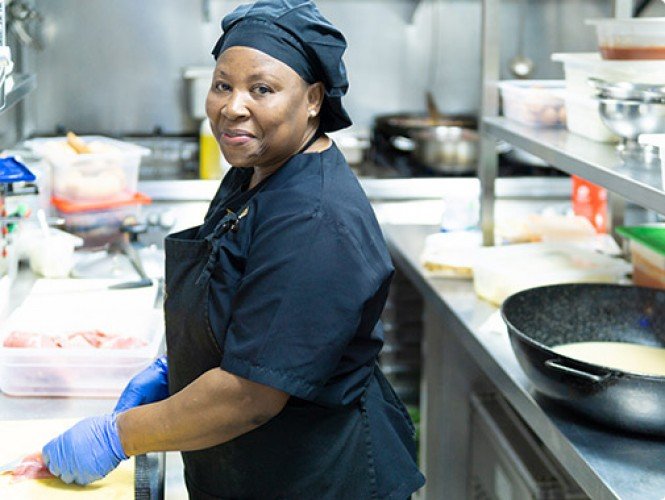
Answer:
(307, 451)
(301, 453)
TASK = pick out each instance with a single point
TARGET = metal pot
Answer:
(541, 318)
(444, 149)
(447, 144)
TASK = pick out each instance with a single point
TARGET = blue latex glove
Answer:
(86, 452)
(149, 386)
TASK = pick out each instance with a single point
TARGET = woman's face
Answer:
(260, 109)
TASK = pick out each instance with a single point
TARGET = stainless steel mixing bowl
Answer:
(629, 119)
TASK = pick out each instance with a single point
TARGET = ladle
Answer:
(520, 65)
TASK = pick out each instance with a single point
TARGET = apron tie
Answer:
(228, 222)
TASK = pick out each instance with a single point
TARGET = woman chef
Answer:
(272, 305)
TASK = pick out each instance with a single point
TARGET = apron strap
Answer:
(214, 242)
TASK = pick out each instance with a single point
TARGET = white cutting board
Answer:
(82, 294)
(23, 437)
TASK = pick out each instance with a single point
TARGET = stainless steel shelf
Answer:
(596, 162)
(22, 86)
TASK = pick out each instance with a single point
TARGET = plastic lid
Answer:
(12, 170)
(652, 237)
(627, 20)
(91, 206)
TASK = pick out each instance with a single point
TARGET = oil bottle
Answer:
(211, 161)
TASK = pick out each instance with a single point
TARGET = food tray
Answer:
(77, 371)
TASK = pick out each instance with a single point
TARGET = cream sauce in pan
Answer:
(632, 358)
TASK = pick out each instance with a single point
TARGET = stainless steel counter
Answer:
(606, 463)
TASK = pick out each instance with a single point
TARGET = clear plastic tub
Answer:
(98, 223)
(109, 173)
(579, 67)
(499, 272)
(77, 371)
(583, 118)
(631, 39)
(538, 103)
(647, 250)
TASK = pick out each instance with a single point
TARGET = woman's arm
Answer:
(215, 408)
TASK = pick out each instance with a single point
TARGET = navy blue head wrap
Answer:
(294, 32)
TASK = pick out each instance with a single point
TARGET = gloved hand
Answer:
(149, 386)
(86, 452)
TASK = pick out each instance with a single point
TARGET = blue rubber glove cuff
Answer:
(86, 452)
(148, 386)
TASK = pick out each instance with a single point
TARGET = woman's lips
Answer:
(236, 137)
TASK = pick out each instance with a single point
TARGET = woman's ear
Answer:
(315, 94)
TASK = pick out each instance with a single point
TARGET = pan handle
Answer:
(557, 364)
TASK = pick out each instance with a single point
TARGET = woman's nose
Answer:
(235, 107)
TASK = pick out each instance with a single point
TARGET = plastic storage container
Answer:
(647, 250)
(635, 38)
(538, 103)
(582, 114)
(499, 272)
(579, 67)
(98, 223)
(109, 173)
(583, 118)
(77, 371)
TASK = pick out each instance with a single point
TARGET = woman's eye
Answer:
(263, 89)
(222, 87)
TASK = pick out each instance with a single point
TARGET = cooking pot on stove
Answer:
(447, 144)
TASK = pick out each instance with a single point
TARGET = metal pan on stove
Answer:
(540, 319)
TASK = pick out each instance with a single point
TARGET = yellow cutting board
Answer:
(23, 437)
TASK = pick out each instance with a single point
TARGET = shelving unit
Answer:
(599, 163)
(22, 86)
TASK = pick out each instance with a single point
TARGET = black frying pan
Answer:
(541, 318)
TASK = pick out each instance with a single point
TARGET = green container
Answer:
(647, 249)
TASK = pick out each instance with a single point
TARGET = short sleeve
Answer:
(299, 304)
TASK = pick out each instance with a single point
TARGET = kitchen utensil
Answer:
(539, 319)
(446, 144)
(432, 109)
(629, 119)
(644, 92)
(520, 65)
(449, 150)
(131, 229)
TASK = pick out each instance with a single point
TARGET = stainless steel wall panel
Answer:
(115, 67)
